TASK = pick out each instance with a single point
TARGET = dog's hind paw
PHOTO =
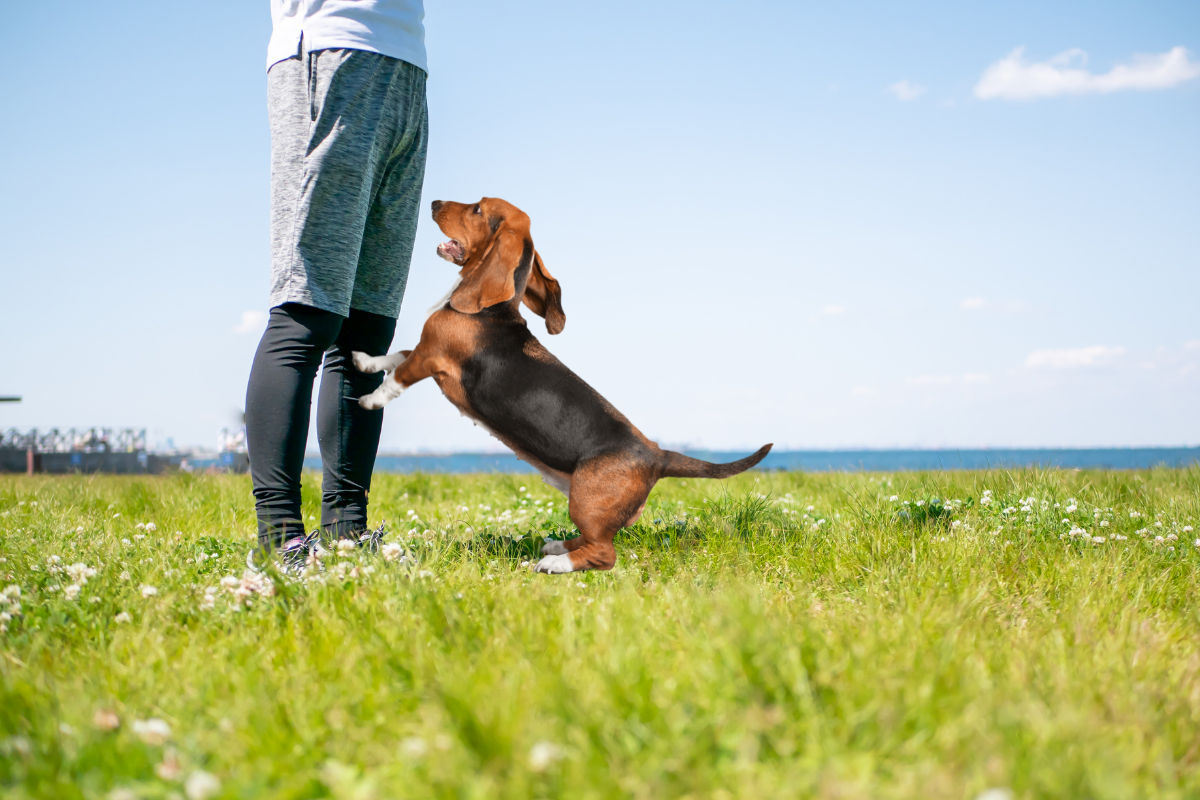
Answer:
(366, 363)
(555, 565)
(553, 547)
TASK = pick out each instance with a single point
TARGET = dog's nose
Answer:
(435, 206)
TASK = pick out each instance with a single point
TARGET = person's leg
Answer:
(330, 136)
(348, 433)
(278, 401)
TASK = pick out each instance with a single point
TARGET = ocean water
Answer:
(837, 460)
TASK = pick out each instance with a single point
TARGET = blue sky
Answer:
(826, 225)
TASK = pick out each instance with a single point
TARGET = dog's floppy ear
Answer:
(543, 295)
(490, 281)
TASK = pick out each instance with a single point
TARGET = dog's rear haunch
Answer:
(479, 350)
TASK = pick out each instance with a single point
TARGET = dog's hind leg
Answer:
(606, 494)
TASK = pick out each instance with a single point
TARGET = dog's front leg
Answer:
(366, 363)
(411, 367)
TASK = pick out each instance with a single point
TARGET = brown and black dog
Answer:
(479, 350)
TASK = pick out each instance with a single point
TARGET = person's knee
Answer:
(366, 332)
(305, 325)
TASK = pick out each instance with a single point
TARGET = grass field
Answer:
(776, 635)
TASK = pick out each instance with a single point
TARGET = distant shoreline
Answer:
(1121, 458)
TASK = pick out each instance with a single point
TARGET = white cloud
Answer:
(1192, 345)
(1094, 356)
(830, 311)
(863, 391)
(906, 90)
(946, 380)
(1015, 78)
(969, 303)
(252, 321)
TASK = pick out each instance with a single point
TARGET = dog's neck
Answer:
(440, 304)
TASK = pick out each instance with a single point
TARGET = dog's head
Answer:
(490, 241)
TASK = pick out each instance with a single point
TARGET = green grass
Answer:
(739, 649)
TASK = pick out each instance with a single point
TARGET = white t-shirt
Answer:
(389, 27)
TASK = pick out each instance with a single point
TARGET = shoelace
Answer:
(371, 541)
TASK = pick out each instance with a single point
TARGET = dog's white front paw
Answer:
(373, 401)
(366, 363)
(555, 565)
(553, 547)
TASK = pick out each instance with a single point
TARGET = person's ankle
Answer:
(343, 529)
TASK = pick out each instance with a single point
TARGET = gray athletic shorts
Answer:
(349, 130)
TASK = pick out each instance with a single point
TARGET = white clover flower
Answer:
(1118, 537)
(344, 546)
(1197, 543)
(1158, 524)
(80, 572)
(12, 590)
(150, 526)
(106, 720)
(956, 524)
(1071, 508)
(1098, 539)
(1187, 528)
(391, 551)
(229, 582)
(1158, 539)
(1172, 537)
(1077, 532)
(148, 590)
(5, 616)
(542, 755)
(126, 542)
(169, 769)
(1103, 523)
(414, 747)
(201, 785)
(152, 731)
(72, 591)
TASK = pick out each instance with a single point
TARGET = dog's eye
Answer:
(478, 210)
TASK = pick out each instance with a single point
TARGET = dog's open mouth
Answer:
(451, 251)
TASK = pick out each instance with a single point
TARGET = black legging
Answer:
(278, 400)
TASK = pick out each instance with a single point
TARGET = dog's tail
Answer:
(680, 466)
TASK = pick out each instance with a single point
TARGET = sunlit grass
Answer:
(775, 635)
